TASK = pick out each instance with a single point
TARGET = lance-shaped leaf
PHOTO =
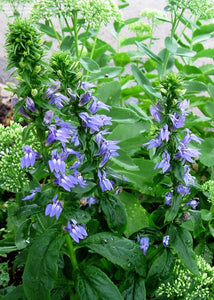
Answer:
(41, 266)
(93, 284)
(120, 251)
(134, 287)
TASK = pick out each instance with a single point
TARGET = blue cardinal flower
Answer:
(168, 198)
(166, 241)
(105, 184)
(33, 193)
(165, 163)
(77, 232)
(56, 162)
(48, 117)
(29, 158)
(193, 203)
(144, 244)
(30, 105)
(54, 209)
(65, 181)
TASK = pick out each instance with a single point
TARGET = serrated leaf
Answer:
(119, 250)
(41, 265)
(137, 216)
(93, 284)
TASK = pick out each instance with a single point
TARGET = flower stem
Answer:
(72, 252)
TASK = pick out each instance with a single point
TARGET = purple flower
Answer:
(48, 117)
(33, 193)
(183, 190)
(78, 162)
(193, 203)
(95, 105)
(105, 184)
(166, 241)
(54, 209)
(155, 112)
(108, 148)
(184, 105)
(164, 134)
(168, 198)
(94, 122)
(65, 181)
(29, 158)
(177, 120)
(85, 98)
(186, 154)
(80, 179)
(165, 163)
(61, 134)
(153, 144)
(99, 136)
(189, 137)
(51, 90)
(75, 139)
(56, 162)
(87, 85)
(76, 232)
(91, 200)
(30, 104)
(58, 99)
(188, 178)
(144, 244)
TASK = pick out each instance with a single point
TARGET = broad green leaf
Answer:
(185, 52)
(201, 38)
(115, 213)
(124, 161)
(171, 44)
(119, 250)
(16, 294)
(80, 215)
(49, 31)
(105, 73)
(7, 245)
(207, 152)
(134, 287)
(139, 111)
(132, 41)
(151, 54)
(123, 115)
(137, 216)
(174, 208)
(209, 107)
(22, 234)
(41, 265)
(67, 43)
(123, 132)
(79, 190)
(93, 284)
(121, 59)
(181, 242)
(143, 81)
(109, 93)
(194, 87)
(89, 64)
(204, 29)
(159, 270)
(211, 90)
(190, 70)
(196, 222)
(205, 53)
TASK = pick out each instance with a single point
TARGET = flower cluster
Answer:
(173, 141)
(184, 285)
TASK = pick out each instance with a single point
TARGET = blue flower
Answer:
(155, 112)
(52, 89)
(54, 209)
(48, 117)
(165, 163)
(85, 98)
(30, 105)
(91, 200)
(105, 184)
(184, 105)
(29, 158)
(166, 241)
(177, 120)
(94, 122)
(188, 178)
(168, 198)
(154, 143)
(33, 193)
(95, 105)
(189, 137)
(164, 134)
(183, 190)
(58, 99)
(193, 203)
(76, 232)
(87, 85)
(186, 154)
(108, 148)
(56, 162)
(61, 134)
(65, 181)
(144, 244)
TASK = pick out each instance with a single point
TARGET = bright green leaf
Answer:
(89, 64)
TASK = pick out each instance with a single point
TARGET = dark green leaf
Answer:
(115, 213)
(16, 294)
(93, 284)
(207, 152)
(151, 54)
(174, 208)
(196, 222)
(137, 216)
(120, 251)
(41, 266)
(67, 43)
(159, 269)
(49, 31)
(181, 242)
(134, 287)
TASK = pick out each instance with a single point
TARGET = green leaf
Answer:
(205, 53)
(93, 284)
(201, 38)
(119, 250)
(185, 52)
(207, 152)
(67, 43)
(41, 266)
(105, 73)
(16, 294)
(134, 287)
(174, 208)
(137, 216)
(159, 270)
(209, 107)
(123, 132)
(181, 242)
(196, 222)
(143, 81)
(211, 90)
(123, 115)
(121, 59)
(109, 93)
(115, 213)
(171, 44)
(124, 161)
(49, 31)
(89, 64)
(7, 245)
(194, 87)
(151, 54)
(22, 234)
(132, 41)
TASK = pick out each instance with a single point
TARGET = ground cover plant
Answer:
(103, 198)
